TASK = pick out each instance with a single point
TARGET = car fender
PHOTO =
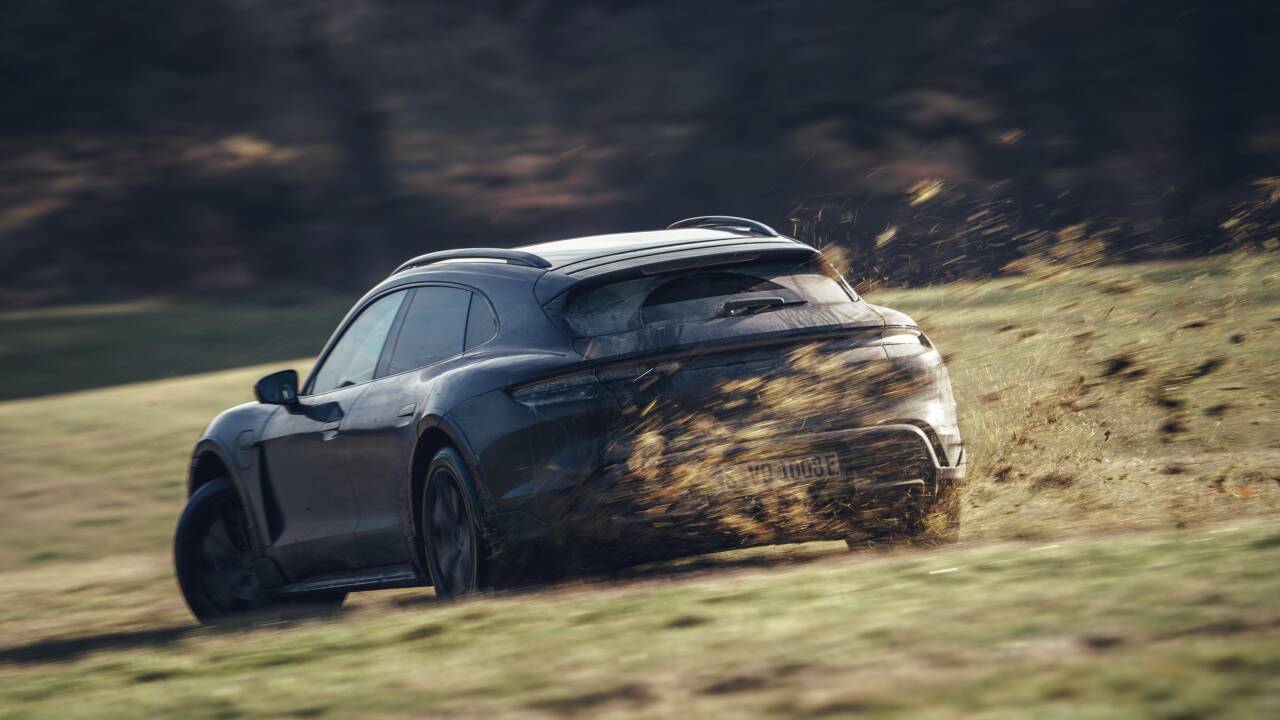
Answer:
(232, 438)
(458, 440)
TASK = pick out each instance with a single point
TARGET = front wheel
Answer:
(213, 556)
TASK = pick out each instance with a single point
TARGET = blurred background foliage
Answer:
(148, 146)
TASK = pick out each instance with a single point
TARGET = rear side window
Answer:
(433, 329)
(482, 321)
(698, 295)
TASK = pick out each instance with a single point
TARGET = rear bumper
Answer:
(847, 440)
(878, 464)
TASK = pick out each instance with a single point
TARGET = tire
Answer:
(213, 557)
(455, 549)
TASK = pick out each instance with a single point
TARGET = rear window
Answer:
(699, 295)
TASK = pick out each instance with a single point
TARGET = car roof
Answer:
(553, 267)
(571, 254)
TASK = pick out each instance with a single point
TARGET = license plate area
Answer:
(762, 476)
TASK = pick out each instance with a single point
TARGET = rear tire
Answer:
(455, 548)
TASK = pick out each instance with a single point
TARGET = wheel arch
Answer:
(209, 461)
(212, 460)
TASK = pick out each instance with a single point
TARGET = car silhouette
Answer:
(492, 416)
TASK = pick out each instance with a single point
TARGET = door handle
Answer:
(407, 410)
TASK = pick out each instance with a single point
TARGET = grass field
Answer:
(1120, 534)
(1178, 624)
(64, 349)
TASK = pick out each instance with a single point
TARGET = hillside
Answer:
(1116, 558)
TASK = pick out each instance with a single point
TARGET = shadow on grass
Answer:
(67, 649)
(745, 559)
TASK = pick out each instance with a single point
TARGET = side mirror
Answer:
(278, 388)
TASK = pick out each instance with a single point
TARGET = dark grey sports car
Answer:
(487, 415)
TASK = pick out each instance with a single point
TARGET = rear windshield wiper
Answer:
(749, 306)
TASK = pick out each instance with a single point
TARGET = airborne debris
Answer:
(1208, 366)
(886, 236)
(1054, 480)
(1217, 410)
(923, 191)
(1124, 367)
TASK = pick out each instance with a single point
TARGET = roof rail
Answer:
(754, 227)
(512, 257)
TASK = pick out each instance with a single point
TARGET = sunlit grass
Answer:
(1181, 622)
(1058, 442)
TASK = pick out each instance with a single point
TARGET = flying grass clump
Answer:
(1124, 366)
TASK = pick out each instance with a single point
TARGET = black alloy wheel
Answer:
(213, 554)
(454, 548)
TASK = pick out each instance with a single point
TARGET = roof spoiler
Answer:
(726, 222)
(554, 284)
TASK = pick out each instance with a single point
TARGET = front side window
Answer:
(434, 327)
(354, 358)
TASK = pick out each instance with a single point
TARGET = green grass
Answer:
(1179, 624)
(1121, 414)
(91, 346)
(103, 472)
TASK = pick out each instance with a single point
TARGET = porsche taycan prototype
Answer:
(486, 416)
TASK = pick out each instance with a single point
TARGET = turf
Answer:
(1176, 624)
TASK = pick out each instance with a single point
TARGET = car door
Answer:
(381, 429)
(305, 452)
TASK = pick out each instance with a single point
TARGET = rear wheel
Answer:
(454, 546)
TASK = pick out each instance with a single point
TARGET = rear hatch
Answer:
(735, 351)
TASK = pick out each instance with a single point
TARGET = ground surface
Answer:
(1118, 555)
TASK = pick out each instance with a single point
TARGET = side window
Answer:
(355, 356)
(482, 321)
(433, 328)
